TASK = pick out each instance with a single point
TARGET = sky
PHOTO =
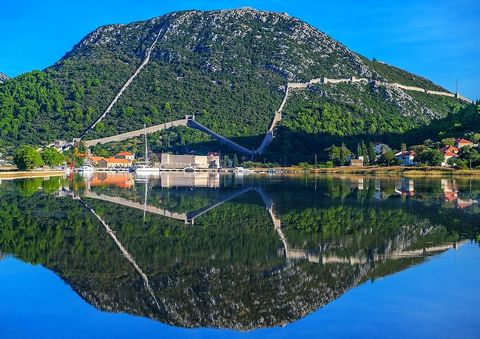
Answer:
(438, 39)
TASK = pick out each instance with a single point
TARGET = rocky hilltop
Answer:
(3, 78)
(230, 67)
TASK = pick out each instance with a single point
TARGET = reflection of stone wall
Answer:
(200, 179)
(172, 161)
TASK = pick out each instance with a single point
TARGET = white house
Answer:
(405, 158)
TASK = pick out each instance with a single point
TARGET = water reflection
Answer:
(221, 251)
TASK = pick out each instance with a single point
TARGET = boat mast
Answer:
(146, 146)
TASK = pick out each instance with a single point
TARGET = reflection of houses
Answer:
(379, 194)
(172, 161)
(405, 187)
(405, 158)
(450, 194)
(464, 203)
(122, 180)
(357, 183)
(450, 190)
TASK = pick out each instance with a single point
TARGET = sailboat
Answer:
(146, 169)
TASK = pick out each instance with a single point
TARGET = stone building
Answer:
(114, 163)
(172, 161)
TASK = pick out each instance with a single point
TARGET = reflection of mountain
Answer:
(229, 269)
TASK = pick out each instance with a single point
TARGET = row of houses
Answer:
(120, 160)
(406, 158)
(167, 161)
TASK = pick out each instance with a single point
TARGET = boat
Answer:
(189, 169)
(242, 170)
(146, 169)
(87, 168)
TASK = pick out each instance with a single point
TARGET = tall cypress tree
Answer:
(371, 152)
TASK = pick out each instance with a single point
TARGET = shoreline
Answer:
(294, 170)
(375, 170)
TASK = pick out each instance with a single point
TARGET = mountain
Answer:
(3, 78)
(230, 68)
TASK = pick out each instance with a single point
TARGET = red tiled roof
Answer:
(96, 159)
(450, 154)
(117, 161)
(463, 141)
(449, 149)
(124, 154)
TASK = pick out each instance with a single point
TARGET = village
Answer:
(454, 152)
(126, 161)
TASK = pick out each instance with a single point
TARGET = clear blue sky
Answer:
(439, 39)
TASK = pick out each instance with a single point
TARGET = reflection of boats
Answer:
(146, 169)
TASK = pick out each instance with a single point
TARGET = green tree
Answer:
(344, 154)
(52, 157)
(387, 158)
(448, 141)
(235, 160)
(365, 153)
(470, 155)
(333, 153)
(403, 147)
(428, 156)
(371, 153)
(27, 158)
(226, 161)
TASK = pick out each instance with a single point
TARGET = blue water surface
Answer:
(439, 298)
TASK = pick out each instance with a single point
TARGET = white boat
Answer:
(242, 171)
(86, 168)
(146, 169)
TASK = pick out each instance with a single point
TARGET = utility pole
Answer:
(316, 160)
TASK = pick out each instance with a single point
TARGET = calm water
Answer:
(209, 256)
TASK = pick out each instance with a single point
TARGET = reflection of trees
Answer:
(228, 270)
